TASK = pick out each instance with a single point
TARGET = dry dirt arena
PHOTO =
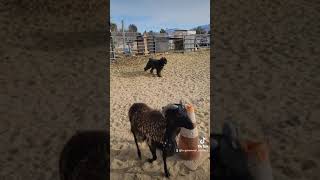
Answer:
(187, 77)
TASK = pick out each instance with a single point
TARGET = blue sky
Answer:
(156, 14)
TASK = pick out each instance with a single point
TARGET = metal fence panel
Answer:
(136, 43)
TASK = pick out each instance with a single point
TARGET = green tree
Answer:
(162, 31)
(132, 28)
(113, 27)
(200, 30)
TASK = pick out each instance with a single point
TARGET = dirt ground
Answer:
(185, 77)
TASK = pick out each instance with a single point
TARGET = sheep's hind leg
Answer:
(164, 156)
(153, 150)
(135, 139)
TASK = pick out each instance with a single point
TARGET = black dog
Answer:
(156, 64)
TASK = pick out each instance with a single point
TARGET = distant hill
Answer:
(206, 27)
(171, 31)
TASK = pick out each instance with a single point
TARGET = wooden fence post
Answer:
(145, 42)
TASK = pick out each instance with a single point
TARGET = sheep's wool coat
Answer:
(148, 124)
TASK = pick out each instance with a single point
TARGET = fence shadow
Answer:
(128, 171)
(125, 154)
(131, 154)
(135, 74)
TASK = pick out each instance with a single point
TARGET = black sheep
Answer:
(158, 129)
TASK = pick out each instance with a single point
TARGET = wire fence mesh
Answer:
(132, 43)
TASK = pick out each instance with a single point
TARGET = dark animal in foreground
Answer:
(84, 157)
(156, 64)
(158, 129)
(227, 157)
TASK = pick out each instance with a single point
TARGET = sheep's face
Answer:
(183, 119)
(177, 116)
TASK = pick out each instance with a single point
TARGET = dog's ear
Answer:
(164, 60)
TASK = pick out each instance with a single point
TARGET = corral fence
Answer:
(131, 43)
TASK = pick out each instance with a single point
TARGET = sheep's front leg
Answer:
(153, 150)
(165, 163)
(135, 139)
